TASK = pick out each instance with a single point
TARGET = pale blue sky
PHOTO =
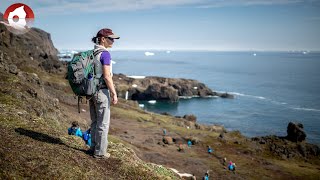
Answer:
(182, 24)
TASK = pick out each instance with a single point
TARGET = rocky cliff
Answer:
(30, 50)
(159, 88)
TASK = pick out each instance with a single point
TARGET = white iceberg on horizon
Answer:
(149, 53)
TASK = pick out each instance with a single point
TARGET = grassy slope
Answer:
(36, 145)
(250, 165)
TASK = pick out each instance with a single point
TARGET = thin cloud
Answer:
(64, 6)
(224, 3)
(96, 6)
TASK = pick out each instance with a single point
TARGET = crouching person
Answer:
(75, 129)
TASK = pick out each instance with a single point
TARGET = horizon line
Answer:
(205, 50)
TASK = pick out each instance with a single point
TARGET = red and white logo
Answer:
(18, 18)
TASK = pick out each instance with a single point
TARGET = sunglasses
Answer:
(111, 39)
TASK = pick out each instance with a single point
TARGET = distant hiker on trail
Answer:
(75, 129)
(181, 148)
(206, 176)
(224, 161)
(189, 143)
(210, 150)
(86, 136)
(231, 166)
(100, 101)
(164, 132)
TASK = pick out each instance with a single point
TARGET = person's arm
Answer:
(108, 79)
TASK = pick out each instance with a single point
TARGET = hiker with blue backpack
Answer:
(210, 150)
(232, 166)
(189, 143)
(75, 129)
(90, 75)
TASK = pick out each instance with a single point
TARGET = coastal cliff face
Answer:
(30, 50)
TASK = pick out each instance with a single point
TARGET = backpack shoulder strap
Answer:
(96, 52)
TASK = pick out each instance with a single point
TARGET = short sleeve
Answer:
(105, 58)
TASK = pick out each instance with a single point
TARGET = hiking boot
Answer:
(90, 152)
(102, 156)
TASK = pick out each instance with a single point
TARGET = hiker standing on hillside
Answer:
(100, 102)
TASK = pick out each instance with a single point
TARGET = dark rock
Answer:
(166, 114)
(190, 117)
(13, 69)
(295, 132)
(32, 92)
(225, 95)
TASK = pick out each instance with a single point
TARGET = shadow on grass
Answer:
(44, 138)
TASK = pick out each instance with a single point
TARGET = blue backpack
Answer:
(87, 137)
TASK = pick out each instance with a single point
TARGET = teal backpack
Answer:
(82, 74)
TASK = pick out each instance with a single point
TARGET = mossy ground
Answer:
(38, 146)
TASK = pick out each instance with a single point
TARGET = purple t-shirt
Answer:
(105, 58)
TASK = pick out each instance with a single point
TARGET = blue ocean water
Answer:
(271, 88)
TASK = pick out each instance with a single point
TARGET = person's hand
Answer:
(114, 99)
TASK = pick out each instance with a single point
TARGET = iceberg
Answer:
(149, 54)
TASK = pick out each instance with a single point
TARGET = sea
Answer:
(271, 89)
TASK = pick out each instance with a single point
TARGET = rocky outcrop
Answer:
(190, 117)
(159, 88)
(292, 145)
(295, 132)
(29, 51)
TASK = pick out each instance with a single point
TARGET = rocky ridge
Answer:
(159, 88)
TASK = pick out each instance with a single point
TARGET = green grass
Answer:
(39, 147)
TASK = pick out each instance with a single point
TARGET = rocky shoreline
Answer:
(160, 88)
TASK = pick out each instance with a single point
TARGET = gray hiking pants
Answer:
(100, 117)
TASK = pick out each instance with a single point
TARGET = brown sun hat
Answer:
(106, 32)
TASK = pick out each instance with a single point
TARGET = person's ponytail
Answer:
(94, 40)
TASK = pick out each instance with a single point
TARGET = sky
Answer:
(215, 25)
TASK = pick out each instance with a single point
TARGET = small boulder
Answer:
(13, 69)
(190, 117)
(295, 132)
(167, 140)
